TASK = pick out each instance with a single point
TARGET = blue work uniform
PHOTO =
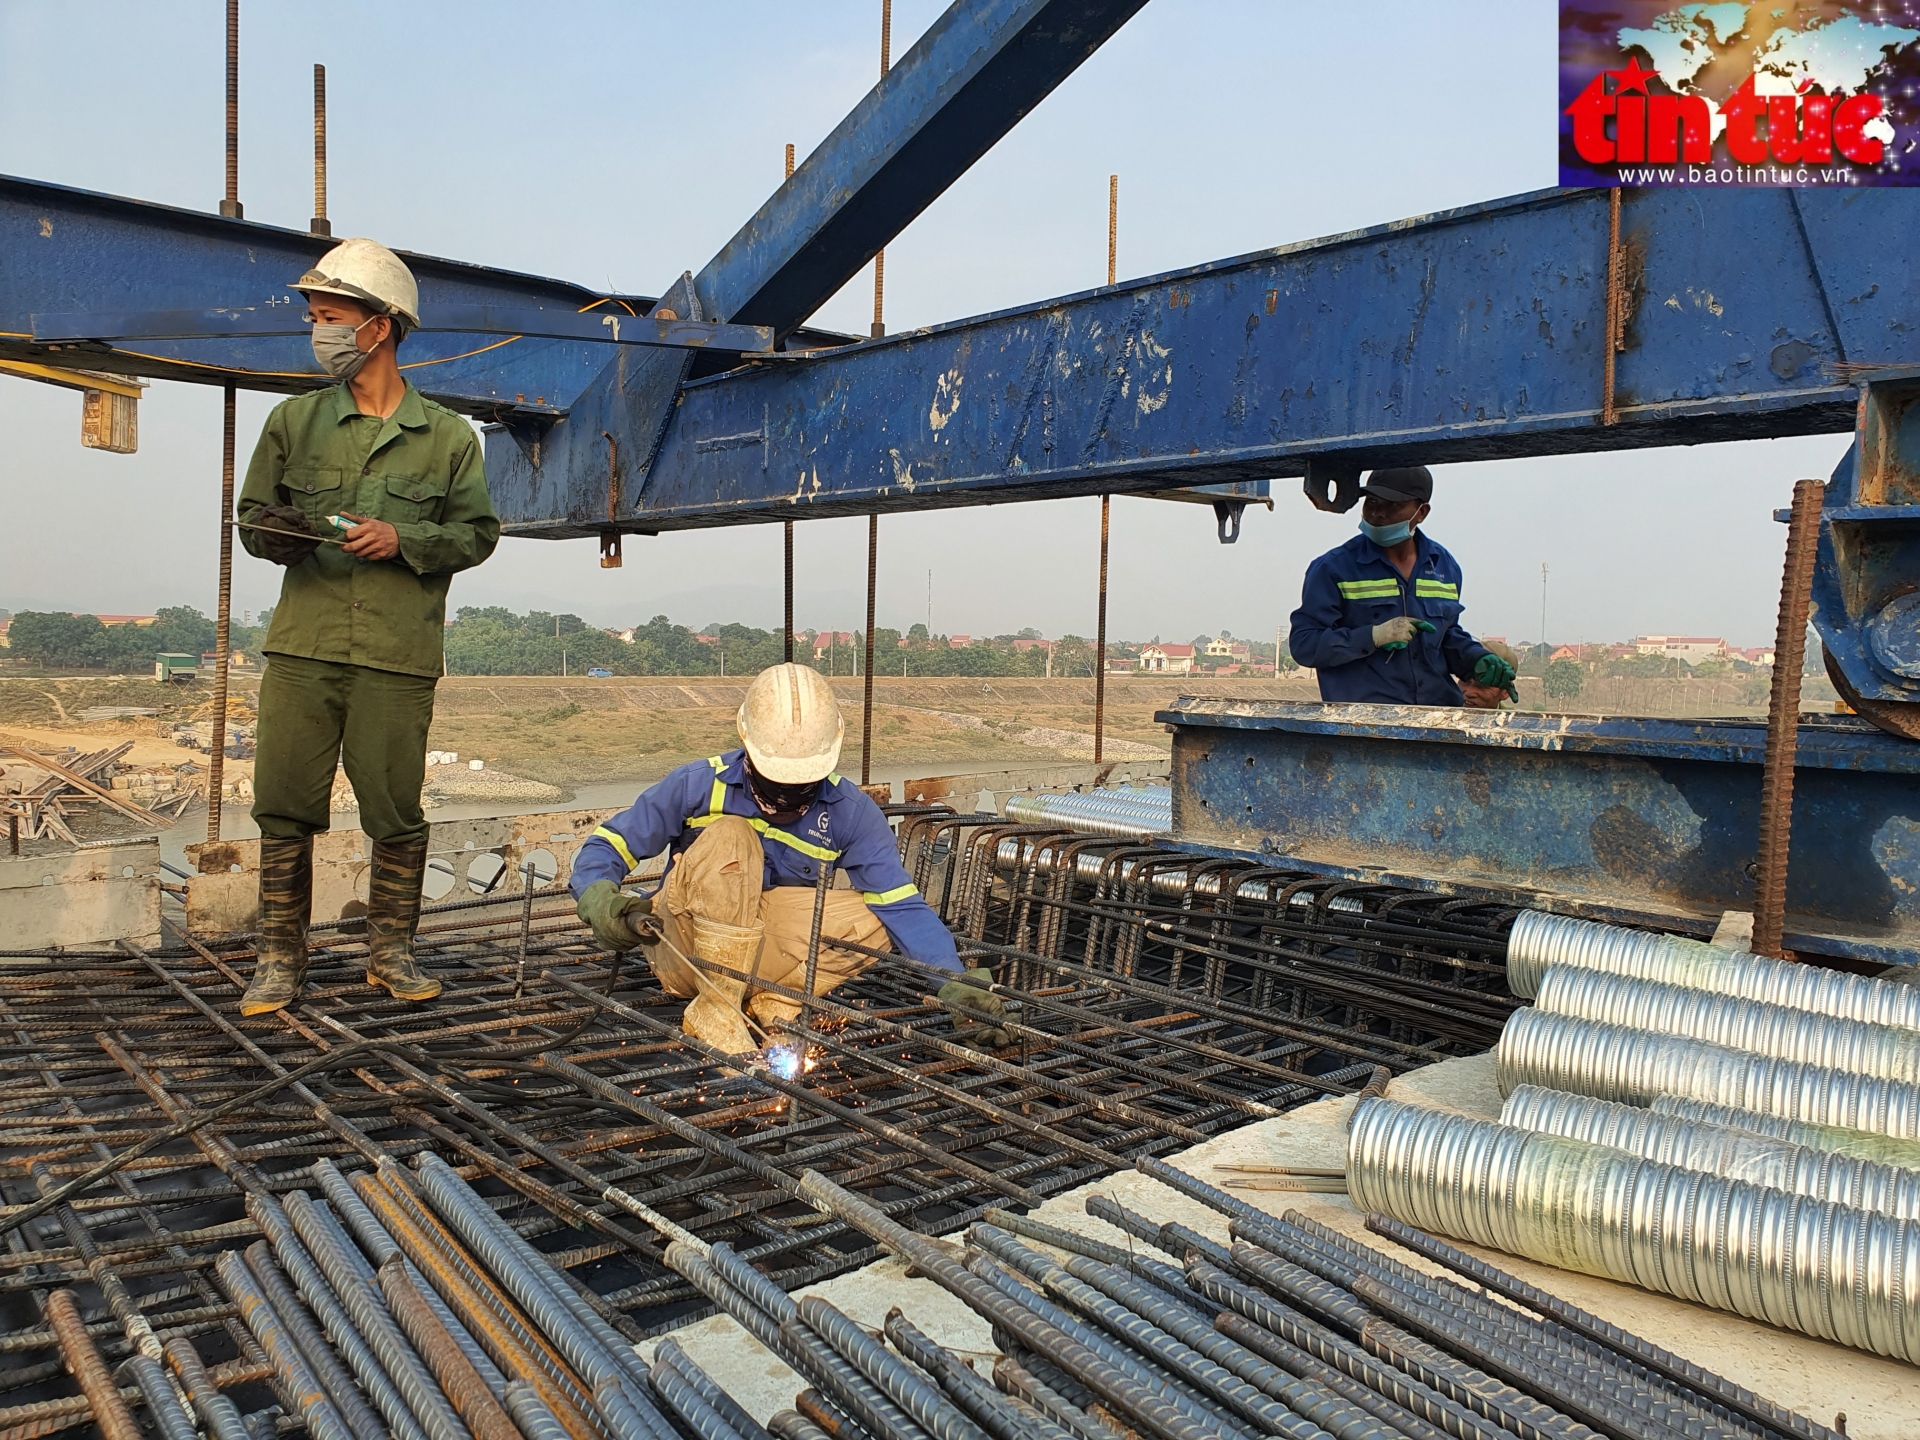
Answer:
(1350, 590)
(842, 825)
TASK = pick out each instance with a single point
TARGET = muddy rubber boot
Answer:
(286, 902)
(393, 914)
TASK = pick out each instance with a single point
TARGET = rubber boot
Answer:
(286, 902)
(393, 914)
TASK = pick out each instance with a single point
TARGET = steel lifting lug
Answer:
(1332, 485)
(1226, 515)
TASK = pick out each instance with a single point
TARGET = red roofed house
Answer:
(1166, 659)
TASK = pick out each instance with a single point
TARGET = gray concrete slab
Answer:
(1881, 1398)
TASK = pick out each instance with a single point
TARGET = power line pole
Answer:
(1543, 602)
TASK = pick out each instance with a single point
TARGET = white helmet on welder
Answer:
(365, 270)
(791, 725)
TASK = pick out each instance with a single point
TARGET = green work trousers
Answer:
(315, 714)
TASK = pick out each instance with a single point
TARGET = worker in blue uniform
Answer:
(747, 832)
(1379, 617)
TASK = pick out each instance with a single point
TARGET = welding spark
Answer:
(789, 1062)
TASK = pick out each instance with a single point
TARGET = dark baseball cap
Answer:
(1405, 482)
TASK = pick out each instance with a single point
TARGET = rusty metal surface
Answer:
(1634, 819)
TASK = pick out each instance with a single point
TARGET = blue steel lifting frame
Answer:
(1550, 323)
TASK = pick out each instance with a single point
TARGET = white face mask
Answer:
(337, 349)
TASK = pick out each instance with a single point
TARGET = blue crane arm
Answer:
(1471, 334)
(963, 85)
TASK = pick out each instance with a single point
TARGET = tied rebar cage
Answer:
(150, 1136)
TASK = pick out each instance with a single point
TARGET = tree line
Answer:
(54, 639)
(493, 640)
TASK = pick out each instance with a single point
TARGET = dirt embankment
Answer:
(575, 731)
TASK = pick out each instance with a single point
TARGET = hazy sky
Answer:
(619, 144)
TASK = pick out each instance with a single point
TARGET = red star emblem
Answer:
(1633, 77)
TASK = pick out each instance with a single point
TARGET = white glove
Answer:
(1397, 631)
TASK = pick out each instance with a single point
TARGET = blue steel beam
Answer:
(1636, 820)
(68, 250)
(600, 327)
(980, 67)
(1471, 334)
(965, 83)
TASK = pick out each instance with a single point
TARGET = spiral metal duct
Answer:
(1841, 1141)
(1718, 1150)
(1539, 941)
(1612, 1062)
(1748, 1025)
(1803, 1264)
(1120, 812)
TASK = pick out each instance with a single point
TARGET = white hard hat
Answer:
(791, 725)
(365, 270)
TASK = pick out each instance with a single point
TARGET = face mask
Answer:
(1387, 534)
(783, 803)
(337, 350)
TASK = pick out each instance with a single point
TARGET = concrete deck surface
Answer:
(1880, 1398)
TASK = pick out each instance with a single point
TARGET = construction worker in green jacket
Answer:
(371, 497)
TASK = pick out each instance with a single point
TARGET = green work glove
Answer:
(1395, 633)
(969, 989)
(1490, 670)
(605, 907)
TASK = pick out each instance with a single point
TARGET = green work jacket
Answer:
(419, 470)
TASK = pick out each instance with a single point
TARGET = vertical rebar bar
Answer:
(527, 873)
(880, 256)
(230, 205)
(822, 883)
(1100, 641)
(223, 618)
(789, 594)
(789, 174)
(1783, 722)
(320, 225)
(1616, 309)
(1113, 228)
(866, 669)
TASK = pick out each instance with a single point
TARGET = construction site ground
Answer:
(1878, 1396)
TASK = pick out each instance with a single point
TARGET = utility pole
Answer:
(1543, 603)
(929, 607)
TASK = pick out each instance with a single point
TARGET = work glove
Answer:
(606, 908)
(283, 549)
(1395, 633)
(970, 990)
(1496, 674)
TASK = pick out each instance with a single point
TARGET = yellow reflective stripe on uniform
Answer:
(818, 852)
(1369, 589)
(612, 837)
(890, 897)
(717, 799)
(1436, 590)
